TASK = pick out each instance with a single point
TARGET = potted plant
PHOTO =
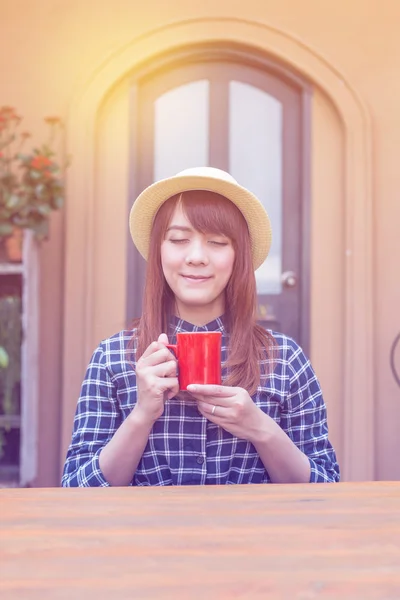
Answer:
(31, 187)
(31, 182)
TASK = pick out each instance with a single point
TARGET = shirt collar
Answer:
(180, 325)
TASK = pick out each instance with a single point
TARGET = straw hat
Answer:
(201, 178)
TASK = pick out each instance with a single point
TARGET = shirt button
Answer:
(200, 459)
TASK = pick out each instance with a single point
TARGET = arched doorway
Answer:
(97, 233)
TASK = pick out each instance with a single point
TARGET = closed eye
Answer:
(215, 243)
(180, 241)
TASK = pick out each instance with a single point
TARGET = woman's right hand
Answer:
(156, 377)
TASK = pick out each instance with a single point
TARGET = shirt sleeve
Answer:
(97, 418)
(305, 421)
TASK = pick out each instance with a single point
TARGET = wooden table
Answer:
(333, 541)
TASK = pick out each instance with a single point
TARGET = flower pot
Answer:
(13, 245)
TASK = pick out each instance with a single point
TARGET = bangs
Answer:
(209, 212)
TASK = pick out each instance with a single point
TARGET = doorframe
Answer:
(82, 126)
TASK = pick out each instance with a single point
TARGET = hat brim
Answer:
(151, 199)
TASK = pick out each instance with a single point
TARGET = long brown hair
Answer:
(249, 343)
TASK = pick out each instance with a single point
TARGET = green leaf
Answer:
(58, 202)
(13, 201)
(39, 189)
(4, 359)
(24, 157)
(44, 209)
(47, 151)
(6, 229)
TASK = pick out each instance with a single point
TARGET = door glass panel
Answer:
(255, 160)
(181, 129)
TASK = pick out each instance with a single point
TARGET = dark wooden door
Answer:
(246, 120)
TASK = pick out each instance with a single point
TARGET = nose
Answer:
(197, 254)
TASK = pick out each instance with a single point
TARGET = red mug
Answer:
(199, 357)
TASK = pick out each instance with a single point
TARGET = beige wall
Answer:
(51, 51)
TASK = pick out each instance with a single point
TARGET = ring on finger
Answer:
(213, 410)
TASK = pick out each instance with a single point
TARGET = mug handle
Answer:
(174, 348)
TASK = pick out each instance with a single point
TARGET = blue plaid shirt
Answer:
(184, 448)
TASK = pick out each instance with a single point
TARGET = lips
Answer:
(196, 277)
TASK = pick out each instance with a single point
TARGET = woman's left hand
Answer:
(232, 409)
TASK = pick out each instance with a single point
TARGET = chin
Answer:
(195, 300)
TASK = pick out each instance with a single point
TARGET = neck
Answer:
(198, 315)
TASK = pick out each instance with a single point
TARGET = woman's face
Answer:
(197, 268)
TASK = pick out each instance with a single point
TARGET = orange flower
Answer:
(52, 120)
(40, 162)
(7, 111)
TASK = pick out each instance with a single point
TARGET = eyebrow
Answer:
(187, 229)
(179, 228)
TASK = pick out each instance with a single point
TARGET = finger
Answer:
(218, 391)
(172, 393)
(154, 346)
(163, 338)
(159, 357)
(169, 384)
(214, 414)
(165, 369)
(214, 400)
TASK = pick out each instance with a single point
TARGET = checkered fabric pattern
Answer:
(184, 448)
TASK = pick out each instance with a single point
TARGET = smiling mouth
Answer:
(196, 277)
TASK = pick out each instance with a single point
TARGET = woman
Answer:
(203, 236)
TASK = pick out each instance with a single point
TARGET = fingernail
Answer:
(192, 387)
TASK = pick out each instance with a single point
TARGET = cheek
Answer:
(224, 267)
(169, 257)
(226, 263)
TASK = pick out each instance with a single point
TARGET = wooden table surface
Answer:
(334, 541)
